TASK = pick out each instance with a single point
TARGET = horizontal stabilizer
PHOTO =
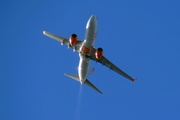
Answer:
(76, 77)
(88, 83)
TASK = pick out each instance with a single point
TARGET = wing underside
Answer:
(110, 65)
(63, 40)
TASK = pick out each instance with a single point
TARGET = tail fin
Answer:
(91, 71)
(87, 82)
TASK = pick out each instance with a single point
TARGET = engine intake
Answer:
(73, 39)
(99, 53)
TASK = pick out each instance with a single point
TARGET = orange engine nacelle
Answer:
(99, 53)
(73, 39)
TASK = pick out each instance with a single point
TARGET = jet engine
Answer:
(73, 39)
(99, 53)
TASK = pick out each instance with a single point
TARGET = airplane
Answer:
(87, 52)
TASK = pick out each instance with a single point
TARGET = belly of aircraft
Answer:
(83, 69)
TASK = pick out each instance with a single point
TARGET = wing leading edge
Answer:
(110, 65)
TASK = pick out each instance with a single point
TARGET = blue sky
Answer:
(140, 37)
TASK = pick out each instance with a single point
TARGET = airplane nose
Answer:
(92, 20)
(93, 16)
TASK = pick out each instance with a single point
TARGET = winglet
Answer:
(132, 79)
(44, 32)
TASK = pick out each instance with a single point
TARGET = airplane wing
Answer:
(110, 65)
(63, 40)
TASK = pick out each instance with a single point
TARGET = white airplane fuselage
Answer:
(86, 48)
(87, 52)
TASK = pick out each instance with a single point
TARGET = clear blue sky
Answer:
(140, 37)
